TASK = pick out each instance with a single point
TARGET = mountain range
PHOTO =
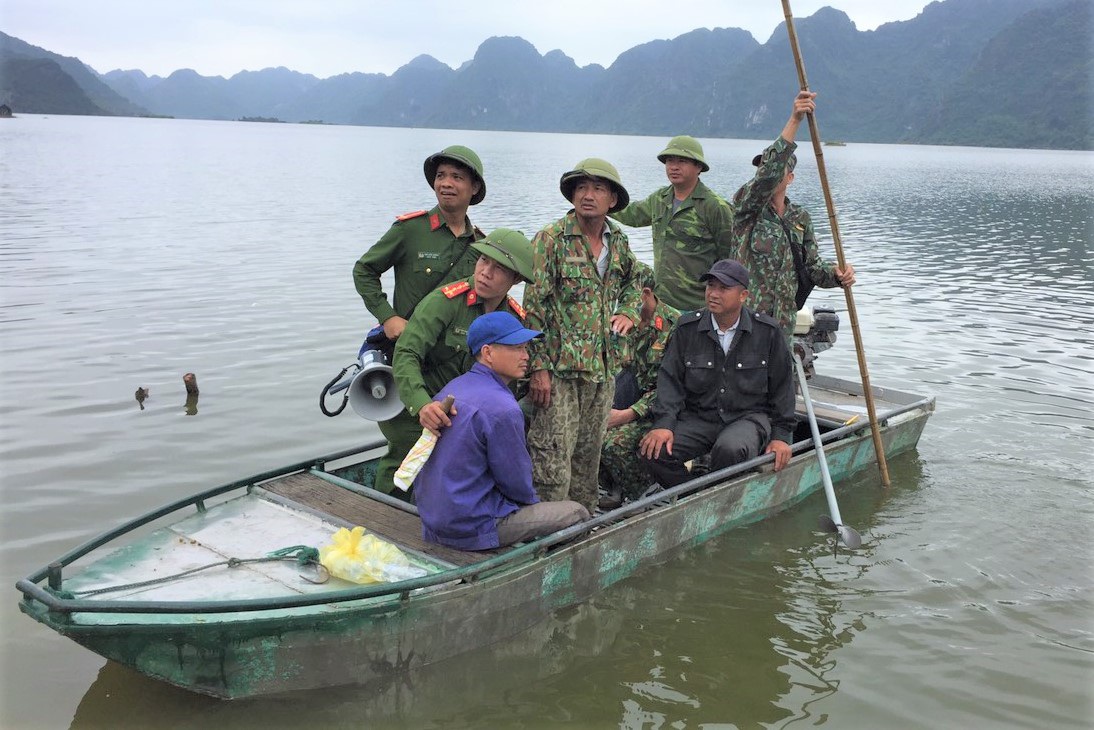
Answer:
(1002, 73)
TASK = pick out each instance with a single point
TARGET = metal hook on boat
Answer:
(320, 571)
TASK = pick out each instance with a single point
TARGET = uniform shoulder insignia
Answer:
(765, 318)
(412, 214)
(690, 319)
(517, 309)
(454, 289)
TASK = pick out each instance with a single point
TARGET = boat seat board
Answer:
(387, 522)
(828, 414)
(839, 403)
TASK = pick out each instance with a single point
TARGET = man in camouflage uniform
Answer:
(621, 472)
(433, 347)
(426, 249)
(774, 238)
(692, 225)
(583, 293)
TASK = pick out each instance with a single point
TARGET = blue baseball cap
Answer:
(498, 328)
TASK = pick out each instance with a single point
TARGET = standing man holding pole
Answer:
(852, 311)
(774, 237)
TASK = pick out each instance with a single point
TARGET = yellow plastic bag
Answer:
(356, 556)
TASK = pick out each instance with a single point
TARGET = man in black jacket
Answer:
(725, 385)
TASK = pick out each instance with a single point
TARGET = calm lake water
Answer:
(133, 251)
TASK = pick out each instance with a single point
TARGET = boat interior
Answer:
(307, 503)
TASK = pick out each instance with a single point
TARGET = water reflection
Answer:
(450, 694)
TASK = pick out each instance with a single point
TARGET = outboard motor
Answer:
(814, 332)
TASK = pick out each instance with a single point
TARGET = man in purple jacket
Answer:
(475, 492)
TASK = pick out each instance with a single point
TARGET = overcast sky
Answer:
(329, 37)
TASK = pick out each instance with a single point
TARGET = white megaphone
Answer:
(372, 392)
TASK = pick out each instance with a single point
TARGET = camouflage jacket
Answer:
(419, 246)
(763, 240)
(573, 306)
(433, 348)
(685, 242)
(649, 346)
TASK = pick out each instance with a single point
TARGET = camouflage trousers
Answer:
(620, 465)
(565, 437)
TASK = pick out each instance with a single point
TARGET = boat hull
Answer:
(358, 642)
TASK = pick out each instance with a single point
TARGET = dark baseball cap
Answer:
(729, 272)
(790, 164)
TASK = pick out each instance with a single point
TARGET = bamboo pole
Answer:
(864, 372)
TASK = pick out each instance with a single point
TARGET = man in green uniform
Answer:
(583, 292)
(621, 472)
(692, 225)
(433, 347)
(426, 248)
(774, 238)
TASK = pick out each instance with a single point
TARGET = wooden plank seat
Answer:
(389, 523)
(828, 415)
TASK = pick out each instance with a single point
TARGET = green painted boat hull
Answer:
(380, 637)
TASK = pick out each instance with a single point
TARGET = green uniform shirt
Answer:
(686, 242)
(569, 302)
(763, 240)
(433, 348)
(419, 246)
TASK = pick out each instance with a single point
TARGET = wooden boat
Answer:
(256, 628)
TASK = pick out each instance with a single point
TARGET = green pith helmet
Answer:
(509, 248)
(594, 167)
(685, 146)
(462, 155)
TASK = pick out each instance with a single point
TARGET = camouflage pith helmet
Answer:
(509, 248)
(687, 147)
(463, 156)
(594, 168)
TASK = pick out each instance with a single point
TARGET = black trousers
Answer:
(626, 390)
(728, 445)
